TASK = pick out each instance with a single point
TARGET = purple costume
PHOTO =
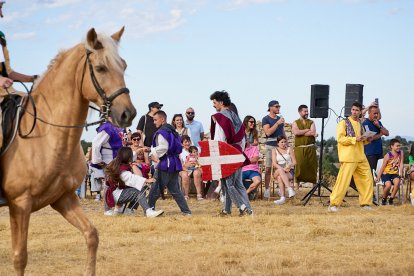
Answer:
(115, 140)
(169, 162)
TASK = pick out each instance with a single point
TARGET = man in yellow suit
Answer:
(353, 161)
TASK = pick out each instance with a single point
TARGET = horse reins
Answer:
(104, 111)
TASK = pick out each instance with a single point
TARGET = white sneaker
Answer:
(152, 213)
(266, 193)
(217, 190)
(98, 197)
(366, 208)
(129, 212)
(333, 209)
(200, 197)
(291, 192)
(412, 199)
(111, 213)
(280, 201)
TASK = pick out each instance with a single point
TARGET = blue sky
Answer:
(180, 51)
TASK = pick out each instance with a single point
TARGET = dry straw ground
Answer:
(277, 240)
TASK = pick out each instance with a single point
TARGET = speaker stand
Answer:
(321, 183)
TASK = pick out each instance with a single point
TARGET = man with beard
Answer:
(195, 127)
(226, 126)
(305, 151)
(353, 162)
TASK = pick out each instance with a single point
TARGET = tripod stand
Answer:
(321, 183)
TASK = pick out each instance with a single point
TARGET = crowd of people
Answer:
(165, 156)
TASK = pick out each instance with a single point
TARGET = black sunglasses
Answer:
(136, 139)
(252, 122)
(190, 113)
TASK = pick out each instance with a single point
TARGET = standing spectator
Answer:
(373, 150)
(105, 146)
(391, 171)
(165, 150)
(195, 127)
(146, 126)
(411, 171)
(283, 160)
(178, 123)
(305, 151)
(226, 126)
(273, 126)
(353, 162)
(191, 168)
(252, 134)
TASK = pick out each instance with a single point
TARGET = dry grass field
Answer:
(277, 240)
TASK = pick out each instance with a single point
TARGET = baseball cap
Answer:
(155, 104)
(272, 103)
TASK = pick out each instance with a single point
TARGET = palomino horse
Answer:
(47, 167)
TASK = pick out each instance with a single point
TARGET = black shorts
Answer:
(389, 177)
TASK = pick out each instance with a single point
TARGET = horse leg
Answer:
(19, 223)
(68, 206)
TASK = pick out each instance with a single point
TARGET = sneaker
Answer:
(391, 201)
(366, 208)
(111, 213)
(200, 197)
(384, 201)
(280, 201)
(333, 209)
(98, 197)
(129, 212)
(223, 213)
(186, 214)
(266, 193)
(186, 198)
(217, 190)
(291, 192)
(412, 199)
(151, 213)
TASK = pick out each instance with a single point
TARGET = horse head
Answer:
(103, 78)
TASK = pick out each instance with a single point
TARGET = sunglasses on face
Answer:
(252, 122)
(190, 113)
(135, 139)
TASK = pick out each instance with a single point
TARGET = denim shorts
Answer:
(250, 174)
(389, 177)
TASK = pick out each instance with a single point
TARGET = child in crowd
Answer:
(391, 171)
(125, 187)
(192, 159)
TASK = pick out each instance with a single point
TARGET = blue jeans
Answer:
(235, 191)
(169, 180)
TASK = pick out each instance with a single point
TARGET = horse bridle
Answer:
(105, 108)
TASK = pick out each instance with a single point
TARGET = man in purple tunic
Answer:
(165, 151)
(105, 147)
(226, 126)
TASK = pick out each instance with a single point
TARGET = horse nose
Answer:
(127, 116)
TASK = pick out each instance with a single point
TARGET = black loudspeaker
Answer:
(353, 93)
(319, 105)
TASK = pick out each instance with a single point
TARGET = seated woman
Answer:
(411, 170)
(391, 171)
(140, 155)
(125, 187)
(283, 161)
(190, 168)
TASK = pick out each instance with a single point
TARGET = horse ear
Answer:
(117, 36)
(92, 39)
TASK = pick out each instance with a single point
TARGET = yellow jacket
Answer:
(349, 150)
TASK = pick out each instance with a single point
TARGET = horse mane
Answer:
(110, 56)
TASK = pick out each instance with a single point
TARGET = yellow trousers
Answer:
(361, 172)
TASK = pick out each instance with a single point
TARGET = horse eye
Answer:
(101, 68)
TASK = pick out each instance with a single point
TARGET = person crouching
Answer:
(125, 187)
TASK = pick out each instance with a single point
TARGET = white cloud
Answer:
(59, 3)
(235, 4)
(394, 11)
(23, 36)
